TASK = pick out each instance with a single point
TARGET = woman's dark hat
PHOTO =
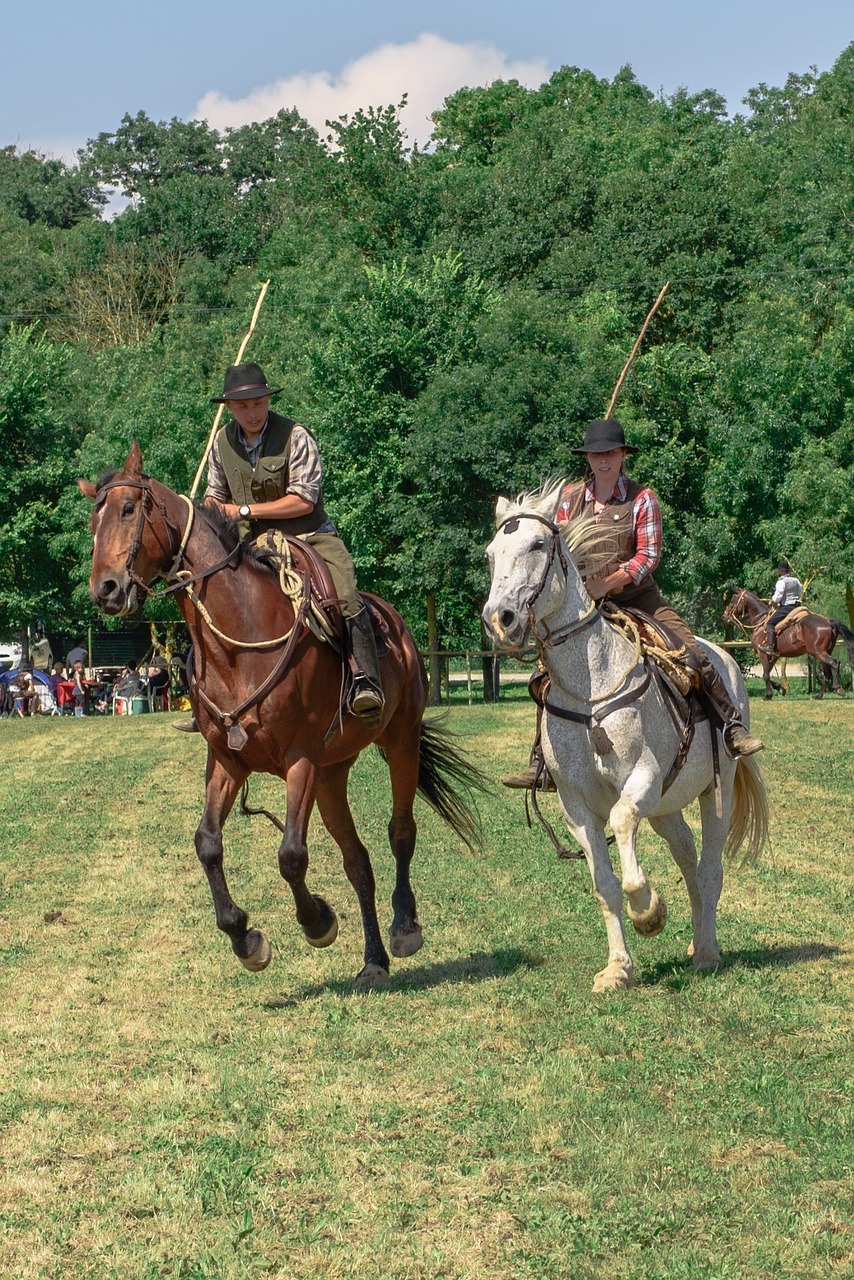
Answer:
(604, 435)
(244, 382)
(783, 566)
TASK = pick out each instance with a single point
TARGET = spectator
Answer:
(25, 691)
(77, 654)
(79, 689)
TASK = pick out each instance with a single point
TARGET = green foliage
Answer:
(37, 441)
(446, 320)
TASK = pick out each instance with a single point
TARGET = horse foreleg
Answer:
(337, 818)
(249, 945)
(315, 917)
(767, 667)
(646, 909)
(619, 973)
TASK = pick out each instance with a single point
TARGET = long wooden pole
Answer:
(221, 407)
(627, 365)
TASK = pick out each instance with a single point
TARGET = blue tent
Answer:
(46, 699)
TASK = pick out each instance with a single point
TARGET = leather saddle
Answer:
(311, 566)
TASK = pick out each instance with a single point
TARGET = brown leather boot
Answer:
(367, 699)
(739, 741)
(525, 780)
(186, 726)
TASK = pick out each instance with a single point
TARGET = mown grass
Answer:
(166, 1114)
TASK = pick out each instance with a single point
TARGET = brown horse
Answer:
(814, 635)
(266, 694)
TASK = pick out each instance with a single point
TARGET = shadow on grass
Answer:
(479, 966)
(679, 973)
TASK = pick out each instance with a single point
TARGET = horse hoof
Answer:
(260, 957)
(617, 977)
(706, 959)
(650, 922)
(405, 944)
(373, 975)
(328, 925)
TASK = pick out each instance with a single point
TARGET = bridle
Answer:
(735, 607)
(555, 552)
(177, 541)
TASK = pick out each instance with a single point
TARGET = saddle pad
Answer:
(797, 615)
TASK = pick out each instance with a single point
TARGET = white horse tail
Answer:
(748, 826)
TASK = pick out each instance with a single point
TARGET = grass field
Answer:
(165, 1114)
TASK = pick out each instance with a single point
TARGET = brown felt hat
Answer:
(244, 382)
(603, 435)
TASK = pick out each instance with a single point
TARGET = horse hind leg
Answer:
(337, 818)
(249, 945)
(703, 948)
(405, 936)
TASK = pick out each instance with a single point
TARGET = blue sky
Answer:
(71, 71)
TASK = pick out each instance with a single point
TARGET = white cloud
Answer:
(52, 148)
(427, 70)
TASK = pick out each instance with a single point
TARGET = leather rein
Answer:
(553, 638)
(237, 736)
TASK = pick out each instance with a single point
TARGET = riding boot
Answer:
(738, 739)
(536, 774)
(366, 699)
(186, 726)
(770, 639)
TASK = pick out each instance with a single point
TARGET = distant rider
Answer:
(788, 594)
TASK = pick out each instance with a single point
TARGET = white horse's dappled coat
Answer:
(537, 595)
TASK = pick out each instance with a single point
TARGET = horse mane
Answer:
(227, 531)
(590, 545)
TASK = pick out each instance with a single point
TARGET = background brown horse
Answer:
(266, 695)
(814, 635)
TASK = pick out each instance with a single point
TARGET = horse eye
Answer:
(538, 545)
(127, 509)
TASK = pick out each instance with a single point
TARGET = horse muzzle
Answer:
(111, 596)
(505, 625)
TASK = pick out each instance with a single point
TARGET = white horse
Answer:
(618, 776)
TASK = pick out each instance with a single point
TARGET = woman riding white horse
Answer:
(628, 517)
(609, 736)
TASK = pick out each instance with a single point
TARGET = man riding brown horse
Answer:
(265, 472)
(788, 593)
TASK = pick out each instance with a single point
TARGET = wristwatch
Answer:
(244, 512)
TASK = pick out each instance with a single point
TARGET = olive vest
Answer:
(617, 519)
(268, 480)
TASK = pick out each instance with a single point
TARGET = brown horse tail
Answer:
(448, 781)
(748, 824)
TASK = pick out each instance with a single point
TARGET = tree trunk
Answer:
(434, 697)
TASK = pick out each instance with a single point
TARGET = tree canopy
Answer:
(446, 320)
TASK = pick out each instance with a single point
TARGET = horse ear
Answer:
(87, 489)
(502, 506)
(133, 462)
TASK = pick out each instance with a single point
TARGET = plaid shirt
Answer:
(305, 471)
(646, 526)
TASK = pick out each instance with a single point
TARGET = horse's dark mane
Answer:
(227, 531)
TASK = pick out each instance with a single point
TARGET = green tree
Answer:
(37, 445)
